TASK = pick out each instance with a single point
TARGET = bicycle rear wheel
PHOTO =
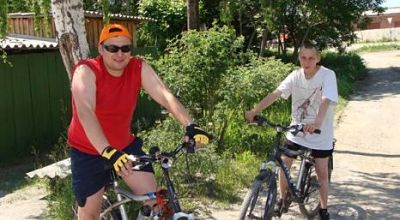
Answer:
(260, 200)
(310, 206)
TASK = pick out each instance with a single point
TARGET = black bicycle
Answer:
(260, 200)
(116, 198)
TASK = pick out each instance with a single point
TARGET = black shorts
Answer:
(90, 173)
(315, 153)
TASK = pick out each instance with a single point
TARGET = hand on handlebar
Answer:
(119, 160)
(194, 132)
(312, 128)
(249, 115)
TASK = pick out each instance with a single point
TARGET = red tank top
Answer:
(116, 99)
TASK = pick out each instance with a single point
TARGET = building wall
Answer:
(382, 22)
(387, 34)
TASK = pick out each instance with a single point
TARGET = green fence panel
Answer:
(7, 125)
(40, 100)
(59, 95)
(35, 100)
(22, 105)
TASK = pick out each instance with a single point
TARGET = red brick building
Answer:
(388, 19)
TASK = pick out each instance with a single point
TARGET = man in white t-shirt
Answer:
(314, 95)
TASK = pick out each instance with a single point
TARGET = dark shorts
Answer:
(315, 153)
(90, 173)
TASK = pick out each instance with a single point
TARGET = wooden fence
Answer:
(23, 24)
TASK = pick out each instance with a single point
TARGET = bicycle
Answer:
(116, 198)
(260, 200)
(330, 162)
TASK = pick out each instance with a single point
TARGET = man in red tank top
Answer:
(104, 95)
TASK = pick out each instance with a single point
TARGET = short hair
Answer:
(310, 45)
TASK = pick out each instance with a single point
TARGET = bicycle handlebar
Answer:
(294, 129)
(163, 157)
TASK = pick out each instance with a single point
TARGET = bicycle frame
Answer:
(294, 189)
(124, 196)
(305, 154)
(266, 180)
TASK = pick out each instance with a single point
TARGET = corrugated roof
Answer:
(14, 41)
(118, 16)
(91, 14)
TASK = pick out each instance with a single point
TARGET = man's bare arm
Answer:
(153, 85)
(83, 89)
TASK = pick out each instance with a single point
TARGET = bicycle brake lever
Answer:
(132, 158)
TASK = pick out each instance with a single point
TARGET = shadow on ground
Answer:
(379, 191)
(378, 83)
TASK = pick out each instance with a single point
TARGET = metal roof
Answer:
(118, 16)
(13, 41)
(91, 14)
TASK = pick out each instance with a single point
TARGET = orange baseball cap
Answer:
(113, 30)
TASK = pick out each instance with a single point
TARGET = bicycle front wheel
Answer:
(260, 200)
(310, 206)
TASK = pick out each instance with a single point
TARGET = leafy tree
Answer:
(209, 12)
(170, 18)
(17, 6)
(3, 17)
(245, 16)
(329, 23)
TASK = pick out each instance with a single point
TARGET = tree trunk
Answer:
(263, 42)
(193, 14)
(69, 20)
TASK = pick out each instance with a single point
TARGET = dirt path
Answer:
(366, 176)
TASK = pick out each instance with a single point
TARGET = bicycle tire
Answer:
(264, 209)
(310, 205)
(330, 168)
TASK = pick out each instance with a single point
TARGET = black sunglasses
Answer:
(113, 48)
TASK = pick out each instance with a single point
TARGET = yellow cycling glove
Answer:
(193, 131)
(116, 157)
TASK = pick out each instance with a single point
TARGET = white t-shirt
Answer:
(306, 97)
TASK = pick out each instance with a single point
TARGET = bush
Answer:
(348, 67)
(195, 65)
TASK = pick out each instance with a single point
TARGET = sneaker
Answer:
(323, 214)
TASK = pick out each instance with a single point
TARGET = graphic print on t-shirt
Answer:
(307, 108)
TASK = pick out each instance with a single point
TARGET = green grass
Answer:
(378, 48)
